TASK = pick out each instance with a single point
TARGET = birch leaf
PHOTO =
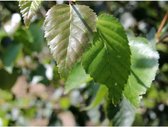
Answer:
(67, 35)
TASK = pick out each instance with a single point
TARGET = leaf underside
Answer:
(100, 95)
(28, 9)
(108, 60)
(67, 35)
(76, 78)
(144, 66)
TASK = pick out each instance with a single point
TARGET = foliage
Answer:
(99, 71)
(28, 9)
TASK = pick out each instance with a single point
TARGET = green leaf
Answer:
(102, 91)
(32, 38)
(28, 9)
(5, 95)
(76, 78)
(10, 55)
(144, 62)
(67, 35)
(108, 60)
(24, 37)
(8, 79)
(38, 37)
(122, 114)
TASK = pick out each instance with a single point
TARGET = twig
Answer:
(161, 26)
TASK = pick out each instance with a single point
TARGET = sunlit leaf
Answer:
(108, 60)
(28, 9)
(76, 78)
(144, 62)
(102, 91)
(67, 35)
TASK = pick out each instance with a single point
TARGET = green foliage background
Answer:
(32, 93)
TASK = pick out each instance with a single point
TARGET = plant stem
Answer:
(161, 26)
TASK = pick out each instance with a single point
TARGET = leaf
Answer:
(121, 115)
(31, 41)
(108, 60)
(10, 55)
(8, 79)
(38, 37)
(76, 78)
(28, 9)
(5, 96)
(102, 91)
(67, 35)
(144, 61)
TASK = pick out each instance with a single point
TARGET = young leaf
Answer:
(28, 8)
(122, 114)
(108, 60)
(67, 35)
(144, 62)
(76, 78)
(102, 91)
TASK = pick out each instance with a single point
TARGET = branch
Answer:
(161, 26)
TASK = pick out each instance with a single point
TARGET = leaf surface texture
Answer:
(67, 35)
(108, 60)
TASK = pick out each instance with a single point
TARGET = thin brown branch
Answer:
(161, 26)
